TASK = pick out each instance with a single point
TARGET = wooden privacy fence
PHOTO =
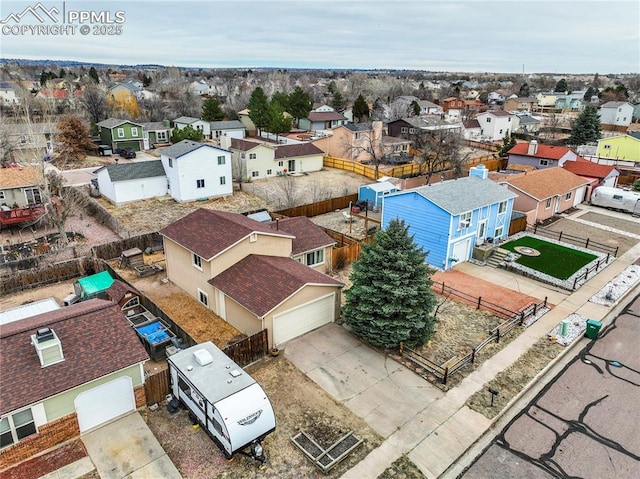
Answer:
(347, 249)
(114, 249)
(249, 350)
(442, 372)
(575, 240)
(517, 224)
(156, 387)
(320, 207)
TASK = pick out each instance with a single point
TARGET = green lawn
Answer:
(555, 260)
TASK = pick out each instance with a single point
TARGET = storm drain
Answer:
(326, 459)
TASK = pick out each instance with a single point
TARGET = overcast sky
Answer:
(572, 36)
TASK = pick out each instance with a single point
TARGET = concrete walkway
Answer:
(434, 428)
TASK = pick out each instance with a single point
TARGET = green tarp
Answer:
(95, 283)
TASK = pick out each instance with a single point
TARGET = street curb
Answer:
(531, 385)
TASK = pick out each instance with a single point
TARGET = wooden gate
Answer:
(156, 387)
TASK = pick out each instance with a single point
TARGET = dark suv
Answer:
(127, 153)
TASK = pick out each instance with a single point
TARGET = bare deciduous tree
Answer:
(289, 192)
(62, 202)
(239, 170)
(366, 146)
(438, 149)
(94, 102)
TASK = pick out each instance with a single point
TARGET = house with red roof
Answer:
(65, 372)
(596, 174)
(544, 193)
(254, 275)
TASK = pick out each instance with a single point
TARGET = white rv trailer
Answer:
(228, 403)
(617, 198)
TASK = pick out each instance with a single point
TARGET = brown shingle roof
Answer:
(542, 184)
(96, 340)
(301, 149)
(260, 283)
(209, 232)
(308, 236)
(243, 145)
(325, 116)
(18, 177)
(118, 289)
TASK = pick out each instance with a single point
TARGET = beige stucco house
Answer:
(354, 141)
(253, 275)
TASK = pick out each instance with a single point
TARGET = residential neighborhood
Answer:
(270, 270)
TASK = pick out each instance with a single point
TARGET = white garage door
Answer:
(105, 402)
(579, 198)
(461, 250)
(302, 319)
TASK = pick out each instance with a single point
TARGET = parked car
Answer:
(104, 150)
(127, 153)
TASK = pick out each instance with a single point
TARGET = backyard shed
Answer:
(132, 258)
(228, 403)
(94, 286)
(374, 193)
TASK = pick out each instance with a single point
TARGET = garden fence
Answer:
(574, 240)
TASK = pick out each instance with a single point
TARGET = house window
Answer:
(197, 261)
(412, 130)
(502, 207)
(607, 147)
(488, 120)
(120, 132)
(253, 237)
(404, 129)
(568, 196)
(499, 232)
(465, 220)
(315, 258)
(548, 204)
(203, 298)
(134, 131)
(170, 162)
(223, 180)
(255, 174)
(281, 163)
(544, 162)
(252, 156)
(16, 427)
(131, 303)
(161, 136)
(501, 131)
(32, 195)
(2, 197)
(358, 135)
(269, 172)
(199, 183)
(221, 160)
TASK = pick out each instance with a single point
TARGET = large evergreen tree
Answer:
(211, 110)
(300, 104)
(186, 133)
(391, 300)
(586, 127)
(561, 86)
(258, 108)
(360, 109)
(277, 123)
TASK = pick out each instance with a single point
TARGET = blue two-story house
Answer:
(448, 219)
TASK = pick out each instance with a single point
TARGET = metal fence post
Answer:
(446, 375)
(479, 302)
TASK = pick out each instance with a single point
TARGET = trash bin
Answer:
(593, 328)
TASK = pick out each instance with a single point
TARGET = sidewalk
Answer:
(442, 432)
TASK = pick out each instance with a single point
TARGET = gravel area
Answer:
(577, 325)
(618, 286)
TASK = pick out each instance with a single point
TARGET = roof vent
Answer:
(203, 357)
(48, 347)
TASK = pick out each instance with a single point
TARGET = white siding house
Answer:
(196, 124)
(196, 171)
(232, 129)
(616, 113)
(132, 181)
(494, 125)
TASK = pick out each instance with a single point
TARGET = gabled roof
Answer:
(498, 113)
(528, 120)
(295, 150)
(113, 122)
(260, 283)
(245, 145)
(582, 167)
(615, 104)
(307, 235)
(549, 152)
(183, 147)
(634, 134)
(226, 125)
(187, 120)
(96, 340)
(119, 289)
(155, 126)
(133, 171)
(355, 127)
(18, 177)
(462, 195)
(468, 124)
(325, 116)
(208, 233)
(542, 184)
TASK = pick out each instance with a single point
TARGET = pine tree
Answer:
(211, 110)
(586, 127)
(93, 74)
(300, 104)
(561, 86)
(508, 142)
(258, 108)
(186, 133)
(360, 109)
(391, 300)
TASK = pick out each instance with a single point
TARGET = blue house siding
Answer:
(429, 224)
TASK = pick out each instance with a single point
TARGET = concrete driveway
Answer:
(378, 389)
(126, 448)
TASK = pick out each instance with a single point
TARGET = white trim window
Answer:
(196, 261)
(548, 204)
(221, 160)
(120, 132)
(544, 162)
(200, 183)
(161, 136)
(223, 180)
(252, 156)
(269, 172)
(567, 197)
(15, 427)
(314, 258)
(499, 232)
(2, 196)
(465, 220)
(32, 195)
(255, 174)
(134, 131)
(502, 207)
(203, 297)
